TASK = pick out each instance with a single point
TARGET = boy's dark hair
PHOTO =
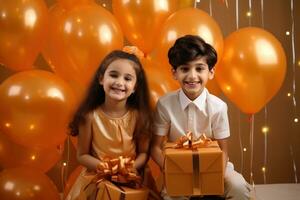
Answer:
(139, 100)
(189, 48)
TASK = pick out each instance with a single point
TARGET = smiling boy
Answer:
(193, 108)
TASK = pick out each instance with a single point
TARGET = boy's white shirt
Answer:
(176, 114)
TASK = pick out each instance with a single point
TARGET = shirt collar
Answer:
(200, 101)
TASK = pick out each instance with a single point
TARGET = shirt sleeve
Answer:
(220, 124)
(161, 120)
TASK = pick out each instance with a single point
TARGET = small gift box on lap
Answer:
(110, 191)
(114, 183)
(194, 168)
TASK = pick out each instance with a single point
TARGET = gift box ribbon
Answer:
(188, 142)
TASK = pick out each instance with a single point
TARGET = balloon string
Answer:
(237, 14)
(266, 148)
(294, 164)
(240, 140)
(65, 166)
(294, 85)
(210, 8)
(293, 55)
(266, 110)
(251, 148)
(250, 10)
(262, 14)
(62, 174)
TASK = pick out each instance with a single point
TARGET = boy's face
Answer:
(193, 77)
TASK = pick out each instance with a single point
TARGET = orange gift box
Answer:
(107, 190)
(110, 191)
(197, 171)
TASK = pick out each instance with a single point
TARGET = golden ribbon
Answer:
(187, 141)
(118, 170)
(133, 50)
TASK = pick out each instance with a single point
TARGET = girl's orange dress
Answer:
(111, 138)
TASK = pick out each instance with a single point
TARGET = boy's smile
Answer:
(193, 77)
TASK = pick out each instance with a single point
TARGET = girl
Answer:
(115, 118)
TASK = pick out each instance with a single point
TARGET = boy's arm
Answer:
(221, 130)
(156, 150)
(223, 146)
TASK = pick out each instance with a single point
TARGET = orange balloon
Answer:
(25, 184)
(23, 30)
(69, 4)
(213, 87)
(160, 79)
(78, 40)
(141, 21)
(35, 109)
(71, 180)
(14, 155)
(190, 21)
(186, 3)
(252, 69)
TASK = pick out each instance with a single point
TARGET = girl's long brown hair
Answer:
(139, 100)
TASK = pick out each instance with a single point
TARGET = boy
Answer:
(193, 108)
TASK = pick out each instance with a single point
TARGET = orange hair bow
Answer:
(133, 50)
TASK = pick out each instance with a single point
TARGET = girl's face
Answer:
(119, 80)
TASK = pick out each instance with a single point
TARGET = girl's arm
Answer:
(142, 156)
(84, 143)
(156, 150)
(223, 146)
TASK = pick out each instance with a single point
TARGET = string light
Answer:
(296, 120)
(265, 129)
(289, 94)
(31, 127)
(198, 1)
(299, 63)
(104, 5)
(263, 169)
(244, 149)
(64, 164)
(228, 88)
(249, 14)
(287, 33)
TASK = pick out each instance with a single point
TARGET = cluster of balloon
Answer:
(36, 105)
(80, 36)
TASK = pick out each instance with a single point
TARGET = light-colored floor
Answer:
(287, 191)
(277, 192)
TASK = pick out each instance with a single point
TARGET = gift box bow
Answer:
(188, 142)
(118, 170)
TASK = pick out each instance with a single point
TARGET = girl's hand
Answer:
(102, 165)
